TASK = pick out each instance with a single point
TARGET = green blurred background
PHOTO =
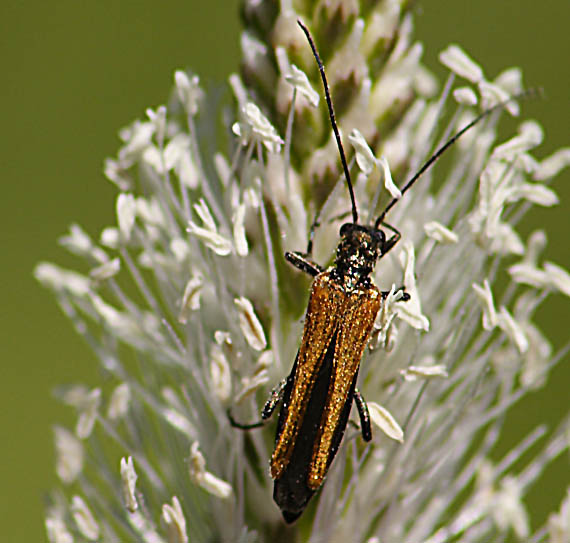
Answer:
(75, 72)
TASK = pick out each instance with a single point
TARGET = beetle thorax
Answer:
(357, 253)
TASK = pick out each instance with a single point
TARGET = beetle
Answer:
(317, 396)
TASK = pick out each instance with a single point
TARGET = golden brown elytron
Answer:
(341, 320)
(318, 393)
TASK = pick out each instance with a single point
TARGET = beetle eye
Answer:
(379, 237)
(345, 228)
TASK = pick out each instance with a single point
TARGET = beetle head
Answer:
(358, 250)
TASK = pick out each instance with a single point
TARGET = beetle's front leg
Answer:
(405, 296)
(301, 262)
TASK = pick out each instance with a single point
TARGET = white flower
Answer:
(457, 61)
(70, 455)
(119, 402)
(209, 232)
(84, 519)
(88, 411)
(175, 521)
(192, 311)
(191, 296)
(126, 214)
(129, 479)
(189, 92)
(412, 373)
(440, 233)
(250, 325)
(385, 421)
(559, 523)
(205, 479)
(299, 80)
(465, 95)
(256, 125)
(367, 162)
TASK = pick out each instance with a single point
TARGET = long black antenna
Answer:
(448, 144)
(333, 122)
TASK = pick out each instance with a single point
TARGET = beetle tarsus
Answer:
(241, 426)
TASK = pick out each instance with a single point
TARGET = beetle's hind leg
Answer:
(275, 397)
(364, 415)
(240, 426)
(274, 400)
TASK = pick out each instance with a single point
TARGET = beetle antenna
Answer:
(333, 121)
(521, 95)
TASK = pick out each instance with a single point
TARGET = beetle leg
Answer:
(364, 415)
(275, 397)
(314, 226)
(241, 426)
(300, 261)
(405, 296)
(389, 244)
